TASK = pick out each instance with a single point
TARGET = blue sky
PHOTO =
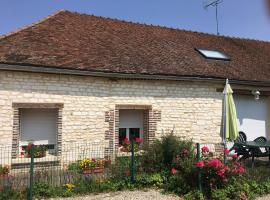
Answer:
(239, 18)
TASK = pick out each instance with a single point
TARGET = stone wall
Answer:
(190, 109)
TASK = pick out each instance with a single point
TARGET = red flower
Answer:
(200, 164)
(138, 140)
(215, 163)
(29, 146)
(221, 172)
(126, 140)
(235, 156)
(241, 170)
(226, 151)
(205, 149)
(173, 171)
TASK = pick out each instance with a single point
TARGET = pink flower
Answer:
(173, 171)
(235, 156)
(215, 163)
(200, 164)
(241, 170)
(141, 132)
(226, 151)
(138, 140)
(126, 140)
(205, 149)
(221, 173)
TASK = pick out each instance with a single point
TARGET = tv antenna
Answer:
(214, 3)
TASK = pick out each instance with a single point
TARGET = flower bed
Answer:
(126, 147)
(90, 166)
(39, 151)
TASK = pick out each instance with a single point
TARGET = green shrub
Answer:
(220, 194)
(149, 180)
(120, 168)
(177, 184)
(12, 194)
(74, 166)
(194, 195)
(176, 159)
(42, 189)
(163, 154)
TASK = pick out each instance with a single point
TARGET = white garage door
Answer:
(38, 125)
(252, 116)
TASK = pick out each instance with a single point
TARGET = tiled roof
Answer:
(68, 40)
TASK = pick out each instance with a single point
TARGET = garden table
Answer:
(251, 145)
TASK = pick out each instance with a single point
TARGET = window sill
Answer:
(121, 153)
(48, 160)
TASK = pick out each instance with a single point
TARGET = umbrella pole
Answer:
(224, 120)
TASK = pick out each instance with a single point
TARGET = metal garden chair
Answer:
(257, 151)
(241, 150)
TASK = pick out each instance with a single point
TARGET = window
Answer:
(130, 124)
(212, 54)
(38, 126)
(128, 133)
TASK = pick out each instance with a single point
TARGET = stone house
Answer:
(75, 77)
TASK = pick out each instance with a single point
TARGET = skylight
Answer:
(213, 54)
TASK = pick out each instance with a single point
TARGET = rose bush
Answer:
(216, 174)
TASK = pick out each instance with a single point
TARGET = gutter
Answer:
(57, 70)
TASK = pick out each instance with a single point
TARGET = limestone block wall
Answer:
(191, 109)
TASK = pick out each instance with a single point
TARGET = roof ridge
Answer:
(166, 27)
(32, 24)
(129, 22)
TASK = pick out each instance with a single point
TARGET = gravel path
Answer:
(127, 195)
(267, 197)
(135, 195)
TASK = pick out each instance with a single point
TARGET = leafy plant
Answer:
(42, 189)
(4, 169)
(194, 195)
(165, 153)
(38, 150)
(74, 166)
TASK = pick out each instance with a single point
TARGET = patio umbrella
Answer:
(230, 126)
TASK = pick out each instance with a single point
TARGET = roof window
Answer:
(212, 54)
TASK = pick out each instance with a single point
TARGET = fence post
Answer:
(199, 169)
(132, 166)
(30, 191)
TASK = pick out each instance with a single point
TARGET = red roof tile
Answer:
(78, 41)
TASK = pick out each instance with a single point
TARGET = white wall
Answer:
(252, 115)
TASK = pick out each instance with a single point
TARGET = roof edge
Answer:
(31, 25)
(57, 70)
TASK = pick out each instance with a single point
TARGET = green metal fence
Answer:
(56, 168)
